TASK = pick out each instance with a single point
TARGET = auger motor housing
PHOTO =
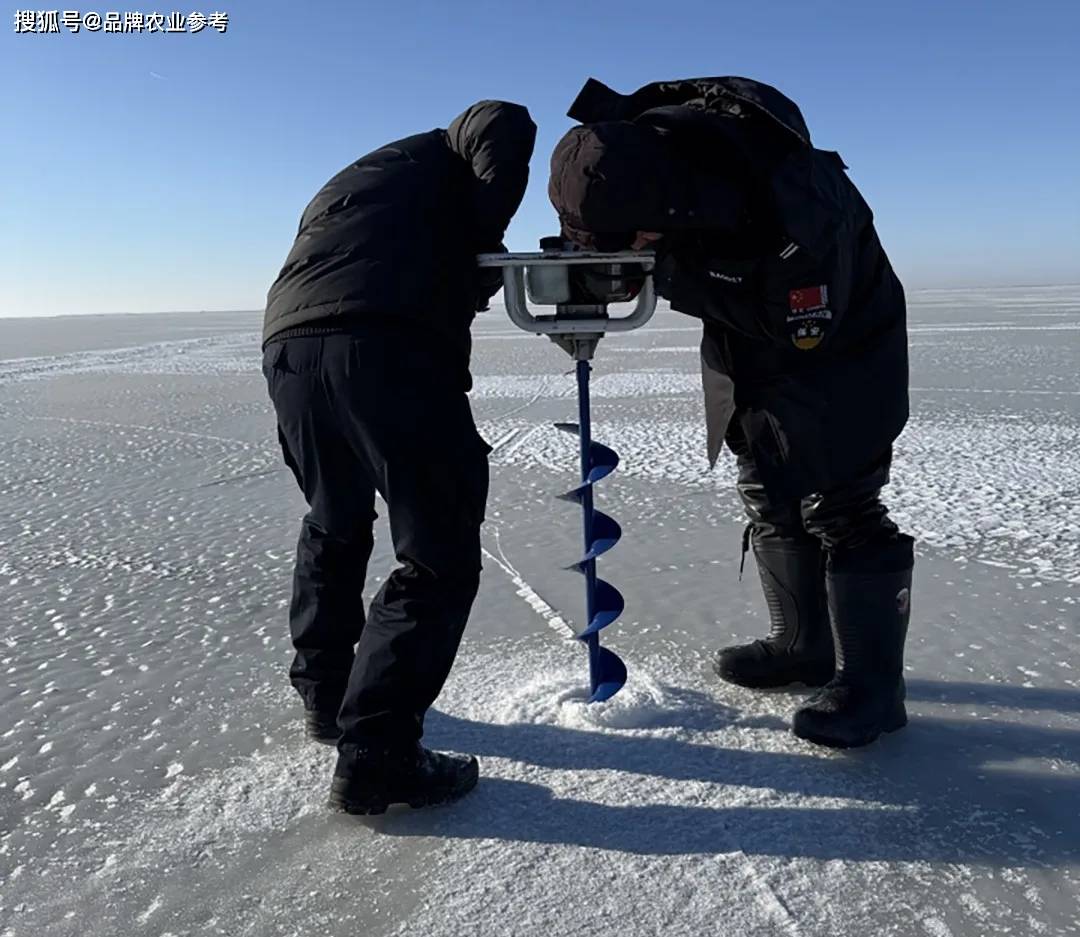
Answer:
(581, 285)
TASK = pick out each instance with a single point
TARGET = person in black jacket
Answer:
(366, 357)
(804, 359)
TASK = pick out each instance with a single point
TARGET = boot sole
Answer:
(898, 722)
(813, 681)
(376, 806)
(322, 739)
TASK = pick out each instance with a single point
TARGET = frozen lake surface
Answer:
(154, 779)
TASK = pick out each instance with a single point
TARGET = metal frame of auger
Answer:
(577, 329)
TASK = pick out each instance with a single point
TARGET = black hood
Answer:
(734, 96)
(609, 180)
(614, 178)
(496, 139)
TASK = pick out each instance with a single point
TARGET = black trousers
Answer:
(358, 414)
(849, 523)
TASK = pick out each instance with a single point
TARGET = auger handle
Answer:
(513, 270)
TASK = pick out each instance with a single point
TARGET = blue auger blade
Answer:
(602, 459)
(605, 534)
(609, 674)
(608, 605)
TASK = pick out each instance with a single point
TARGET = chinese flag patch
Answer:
(808, 298)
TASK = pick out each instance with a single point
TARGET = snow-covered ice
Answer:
(154, 778)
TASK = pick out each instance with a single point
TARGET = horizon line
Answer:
(236, 311)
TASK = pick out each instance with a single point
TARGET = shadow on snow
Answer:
(943, 790)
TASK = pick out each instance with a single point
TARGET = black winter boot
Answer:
(368, 780)
(870, 613)
(799, 647)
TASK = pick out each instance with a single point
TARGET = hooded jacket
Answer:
(772, 246)
(392, 239)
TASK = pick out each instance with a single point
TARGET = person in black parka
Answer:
(804, 362)
(366, 356)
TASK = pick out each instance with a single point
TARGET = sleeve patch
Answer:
(809, 316)
(808, 298)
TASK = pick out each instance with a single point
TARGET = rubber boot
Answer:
(799, 647)
(869, 613)
(368, 780)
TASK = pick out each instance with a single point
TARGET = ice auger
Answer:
(581, 285)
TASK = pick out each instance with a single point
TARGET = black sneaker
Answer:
(368, 780)
(321, 726)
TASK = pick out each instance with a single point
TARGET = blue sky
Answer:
(165, 172)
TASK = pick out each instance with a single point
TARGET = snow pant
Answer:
(356, 414)
(849, 523)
